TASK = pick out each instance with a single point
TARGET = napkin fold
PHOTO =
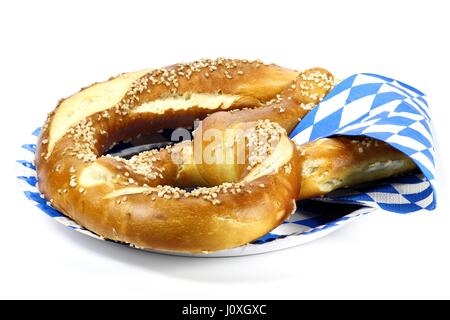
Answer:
(388, 110)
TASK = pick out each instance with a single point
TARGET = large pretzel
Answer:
(244, 186)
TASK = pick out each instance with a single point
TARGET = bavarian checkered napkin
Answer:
(388, 110)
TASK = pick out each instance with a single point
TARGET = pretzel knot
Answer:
(236, 180)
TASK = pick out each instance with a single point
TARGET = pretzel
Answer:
(245, 181)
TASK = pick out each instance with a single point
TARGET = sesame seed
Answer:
(287, 168)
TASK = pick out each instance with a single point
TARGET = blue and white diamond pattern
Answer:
(388, 110)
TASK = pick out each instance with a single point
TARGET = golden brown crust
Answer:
(124, 201)
(140, 200)
(332, 163)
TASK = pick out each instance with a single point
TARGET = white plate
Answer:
(312, 220)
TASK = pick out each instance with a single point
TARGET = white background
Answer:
(49, 50)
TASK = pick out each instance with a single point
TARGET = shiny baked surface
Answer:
(142, 201)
